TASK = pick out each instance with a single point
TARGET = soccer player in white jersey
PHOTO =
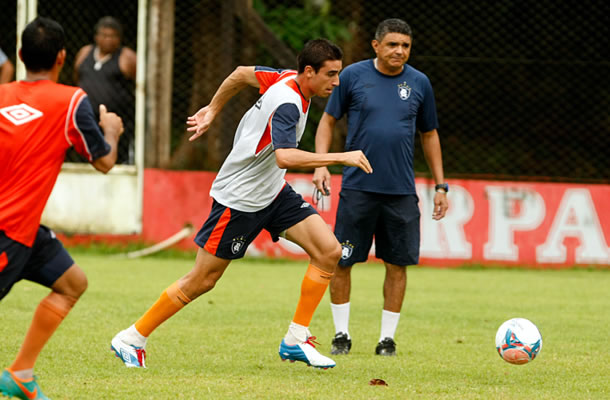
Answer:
(250, 194)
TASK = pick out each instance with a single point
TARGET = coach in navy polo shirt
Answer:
(386, 102)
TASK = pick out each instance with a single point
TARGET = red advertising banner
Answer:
(488, 222)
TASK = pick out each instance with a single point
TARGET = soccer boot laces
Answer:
(305, 352)
(132, 356)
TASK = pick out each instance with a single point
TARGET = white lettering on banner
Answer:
(576, 217)
(290, 247)
(254, 251)
(445, 238)
(510, 210)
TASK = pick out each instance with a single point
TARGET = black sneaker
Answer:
(387, 347)
(341, 344)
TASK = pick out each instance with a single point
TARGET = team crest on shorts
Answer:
(404, 91)
(346, 250)
(238, 244)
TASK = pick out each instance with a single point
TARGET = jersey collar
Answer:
(295, 86)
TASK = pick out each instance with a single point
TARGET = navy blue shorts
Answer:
(42, 263)
(392, 219)
(227, 232)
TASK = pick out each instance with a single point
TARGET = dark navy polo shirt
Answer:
(383, 114)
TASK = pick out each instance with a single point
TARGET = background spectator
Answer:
(106, 71)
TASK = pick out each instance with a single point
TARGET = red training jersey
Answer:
(39, 121)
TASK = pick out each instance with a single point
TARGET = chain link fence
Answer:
(522, 87)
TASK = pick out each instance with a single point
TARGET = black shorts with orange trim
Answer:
(227, 232)
(42, 263)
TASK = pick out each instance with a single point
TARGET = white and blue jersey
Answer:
(383, 114)
(250, 179)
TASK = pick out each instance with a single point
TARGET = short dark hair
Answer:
(316, 52)
(109, 22)
(392, 25)
(41, 41)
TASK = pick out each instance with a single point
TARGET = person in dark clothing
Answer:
(107, 71)
(386, 102)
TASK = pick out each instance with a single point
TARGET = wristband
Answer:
(441, 187)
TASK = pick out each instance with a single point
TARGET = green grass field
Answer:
(224, 345)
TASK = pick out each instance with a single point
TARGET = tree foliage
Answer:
(296, 25)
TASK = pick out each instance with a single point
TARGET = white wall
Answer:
(86, 201)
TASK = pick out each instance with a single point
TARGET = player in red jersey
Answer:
(39, 120)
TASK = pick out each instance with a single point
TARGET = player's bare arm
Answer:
(112, 126)
(431, 145)
(78, 60)
(324, 137)
(233, 84)
(7, 72)
(127, 63)
(295, 158)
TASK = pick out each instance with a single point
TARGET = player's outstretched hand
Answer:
(200, 122)
(110, 122)
(357, 159)
(321, 180)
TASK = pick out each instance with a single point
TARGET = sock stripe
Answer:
(177, 295)
(59, 304)
(317, 275)
(50, 307)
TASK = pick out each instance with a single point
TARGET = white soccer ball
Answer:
(518, 341)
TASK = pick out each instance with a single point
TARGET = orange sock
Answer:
(313, 287)
(47, 317)
(170, 302)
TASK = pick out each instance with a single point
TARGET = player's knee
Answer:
(327, 256)
(72, 283)
(78, 285)
(334, 253)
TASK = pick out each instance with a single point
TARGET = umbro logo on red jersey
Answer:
(20, 114)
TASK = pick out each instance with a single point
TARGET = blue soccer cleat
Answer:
(132, 356)
(11, 386)
(306, 353)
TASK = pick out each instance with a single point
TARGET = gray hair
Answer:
(392, 25)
